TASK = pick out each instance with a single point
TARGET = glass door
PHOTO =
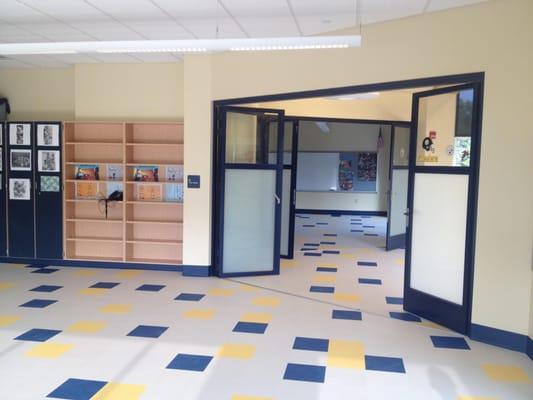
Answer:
(442, 200)
(398, 183)
(249, 195)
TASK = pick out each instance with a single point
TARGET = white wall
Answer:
(346, 137)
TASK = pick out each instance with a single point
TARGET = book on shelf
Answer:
(86, 190)
(87, 172)
(174, 192)
(174, 173)
(114, 173)
(146, 173)
(149, 192)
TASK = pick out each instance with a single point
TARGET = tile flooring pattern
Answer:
(118, 334)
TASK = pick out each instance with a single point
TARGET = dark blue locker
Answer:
(3, 186)
(20, 191)
(49, 193)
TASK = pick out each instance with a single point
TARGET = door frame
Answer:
(219, 185)
(473, 77)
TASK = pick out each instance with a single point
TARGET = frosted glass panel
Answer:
(249, 220)
(285, 212)
(438, 235)
(401, 146)
(398, 201)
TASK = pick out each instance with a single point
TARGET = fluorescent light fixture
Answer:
(356, 96)
(184, 46)
(323, 126)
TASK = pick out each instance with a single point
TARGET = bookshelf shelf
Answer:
(136, 230)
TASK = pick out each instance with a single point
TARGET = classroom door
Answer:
(443, 165)
(398, 183)
(249, 191)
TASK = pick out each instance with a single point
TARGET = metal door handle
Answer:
(278, 200)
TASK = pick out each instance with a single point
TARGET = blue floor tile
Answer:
(190, 297)
(150, 288)
(330, 243)
(331, 252)
(367, 264)
(322, 289)
(356, 230)
(44, 271)
(311, 244)
(308, 226)
(368, 226)
(346, 314)
(368, 281)
(371, 234)
(322, 223)
(330, 234)
(356, 223)
(385, 364)
(190, 362)
(394, 300)
(326, 269)
(46, 288)
(448, 342)
(250, 327)
(148, 331)
(37, 335)
(309, 254)
(404, 316)
(312, 344)
(38, 303)
(104, 285)
(77, 389)
(308, 248)
(305, 373)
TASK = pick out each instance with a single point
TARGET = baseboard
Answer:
(529, 350)
(198, 270)
(341, 212)
(501, 338)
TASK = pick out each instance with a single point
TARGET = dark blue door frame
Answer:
(3, 190)
(219, 184)
(454, 316)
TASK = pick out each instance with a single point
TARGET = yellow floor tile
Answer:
(128, 273)
(505, 373)
(231, 350)
(399, 261)
(93, 291)
(321, 278)
(221, 292)
(288, 263)
(6, 285)
(248, 288)
(6, 320)
(348, 255)
(266, 301)
(116, 308)
(49, 350)
(244, 397)
(199, 314)
(120, 391)
(328, 265)
(348, 297)
(260, 318)
(345, 354)
(86, 326)
(85, 272)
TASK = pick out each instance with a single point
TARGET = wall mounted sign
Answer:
(193, 181)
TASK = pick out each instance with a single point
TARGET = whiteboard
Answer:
(317, 171)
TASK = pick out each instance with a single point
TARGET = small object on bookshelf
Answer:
(174, 192)
(174, 173)
(146, 173)
(149, 192)
(114, 172)
(114, 187)
(86, 190)
(87, 172)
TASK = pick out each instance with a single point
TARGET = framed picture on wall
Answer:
(21, 160)
(19, 134)
(19, 189)
(48, 161)
(48, 135)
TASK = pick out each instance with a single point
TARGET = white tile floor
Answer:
(92, 356)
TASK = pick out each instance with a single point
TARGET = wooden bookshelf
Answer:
(135, 230)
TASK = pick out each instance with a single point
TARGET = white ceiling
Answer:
(26, 21)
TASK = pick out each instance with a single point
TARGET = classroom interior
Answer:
(240, 225)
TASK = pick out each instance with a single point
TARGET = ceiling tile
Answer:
(13, 11)
(107, 30)
(67, 10)
(191, 9)
(269, 27)
(316, 16)
(55, 31)
(259, 8)
(382, 10)
(160, 29)
(436, 5)
(206, 28)
(128, 9)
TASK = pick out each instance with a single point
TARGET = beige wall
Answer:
(346, 137)
(37, 94)
(417, 47)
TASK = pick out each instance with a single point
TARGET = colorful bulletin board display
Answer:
(358, 171)
(346, 171)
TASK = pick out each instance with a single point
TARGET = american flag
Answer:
(381, 143)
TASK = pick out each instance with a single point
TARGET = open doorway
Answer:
(340, 255)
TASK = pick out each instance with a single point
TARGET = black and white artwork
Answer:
(48, 135)
(20, 134)
(48, 161)
(21, 160)
(19, 189)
